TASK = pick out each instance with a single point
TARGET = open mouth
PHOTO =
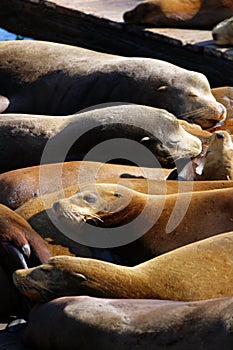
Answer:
(206, 122)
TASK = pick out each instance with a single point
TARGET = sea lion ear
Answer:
(79, 276)
(162, 88)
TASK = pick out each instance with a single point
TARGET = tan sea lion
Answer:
(198, 271)
(141, 324)
(223, 32)
(21, 185)
(132, 225)
(218, 161)
(201, 14)
(224, 95)
(56, 79)
(35, 212)
(104, 134)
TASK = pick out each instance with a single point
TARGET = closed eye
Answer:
(171, 143)
(118, 195)
(192, 95)
(89, 198)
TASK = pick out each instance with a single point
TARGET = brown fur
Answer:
(208, 213)
(19, 186)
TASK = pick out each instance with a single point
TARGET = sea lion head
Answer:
(65, 276)
(102, 205)
(220, 140)
(49, 280)
(223, 32)
(171, 142)
(218, 164)
(196, 102)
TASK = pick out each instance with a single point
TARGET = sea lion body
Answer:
(151, 224)
(198, 271)
(141, 324)
(223, 32)
(19, 186)
(47, 139)
(36, 212)
(218, 161)
(56, 79)
(200, 14)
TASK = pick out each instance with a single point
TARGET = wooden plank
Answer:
(46, 20)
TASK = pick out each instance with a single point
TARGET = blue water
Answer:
(5, 35)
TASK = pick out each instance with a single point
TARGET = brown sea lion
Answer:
(21, 185)
(20, 245)
(223, 32)
(141, 324)
(132, 225)
(198, 271)
(55, 79)
(218, 161)
(224, 95)
(103, 134)
(203, 14)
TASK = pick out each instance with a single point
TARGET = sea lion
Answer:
(117, 132)
(218, 161)
(19, 186)
(148, 225)
(200, 14)
(214, 163)
(141, 324)
(35, 212)
(198, 271)
(20, 245)
(223, 32)
(224, 95)
(56, 79)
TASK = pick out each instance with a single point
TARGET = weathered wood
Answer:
(45, 20)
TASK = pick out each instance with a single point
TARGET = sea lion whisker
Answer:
(193, 113)
(96, 217)
(67, 214)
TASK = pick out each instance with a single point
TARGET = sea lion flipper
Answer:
(15, 256)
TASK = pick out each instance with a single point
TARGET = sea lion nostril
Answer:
(56, 206)
(91, 222)
(215, 36)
